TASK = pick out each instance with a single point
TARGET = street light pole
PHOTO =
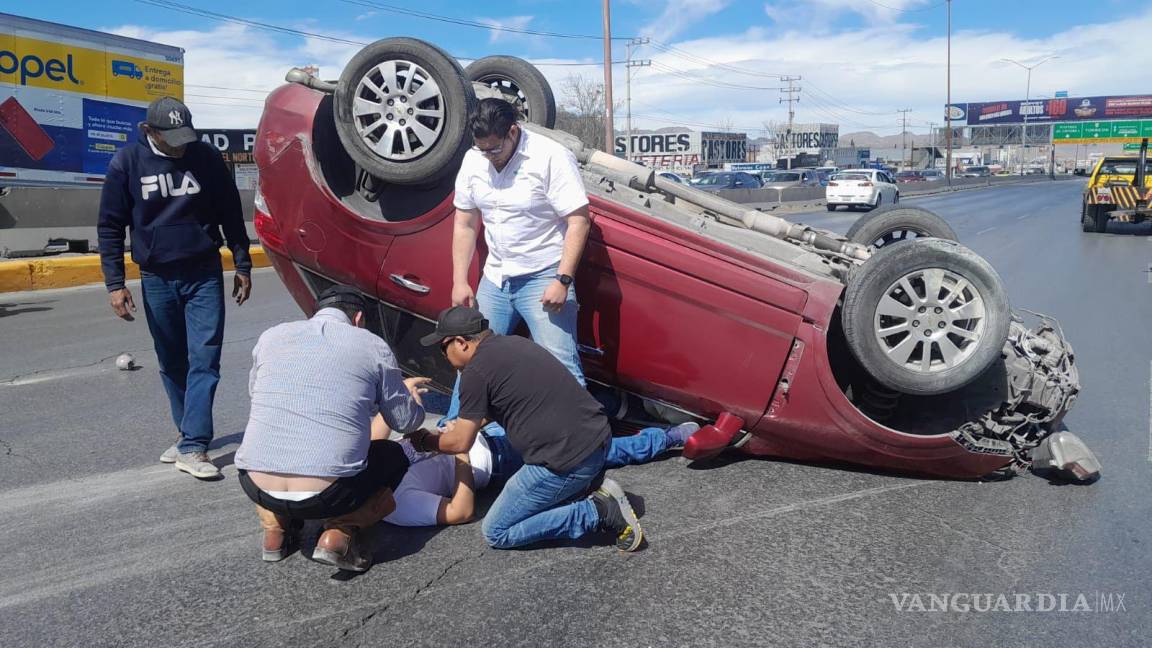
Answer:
(948, 104)
(1027, 98)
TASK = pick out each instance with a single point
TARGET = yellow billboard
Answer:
(49, 65)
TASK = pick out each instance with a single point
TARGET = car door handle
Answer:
(589, 350)
(400, 280)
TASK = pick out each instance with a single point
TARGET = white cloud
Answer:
(819, 13)
(678, 15)
(511, 22)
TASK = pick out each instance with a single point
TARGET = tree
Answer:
(581, 112)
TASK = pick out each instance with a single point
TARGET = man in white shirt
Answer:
(527, 191)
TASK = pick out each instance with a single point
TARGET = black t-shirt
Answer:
(549, 418)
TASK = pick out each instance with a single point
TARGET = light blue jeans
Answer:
(518, 299)
(536, 504)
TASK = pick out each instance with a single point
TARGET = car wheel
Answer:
(897, 224)
(519, 80)
(401, 111)
(896, 198)
(926, 317)
(831, 207)
(879, 201)
(1096, 219)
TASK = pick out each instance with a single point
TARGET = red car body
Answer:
(666, 313)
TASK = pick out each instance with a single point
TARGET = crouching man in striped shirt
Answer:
(308, 451)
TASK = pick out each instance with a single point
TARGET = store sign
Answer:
(677, 151)
(1061, 109)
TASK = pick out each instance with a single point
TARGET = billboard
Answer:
(235, 146)
(71, 98)
(1070, 109)
(675, 151)
(808, 138)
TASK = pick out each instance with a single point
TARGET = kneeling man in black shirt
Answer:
(550, 419)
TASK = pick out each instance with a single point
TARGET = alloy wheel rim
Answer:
(930, 320)
(399, 110)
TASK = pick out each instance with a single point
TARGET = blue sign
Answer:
(863, 154)
(1061, 94)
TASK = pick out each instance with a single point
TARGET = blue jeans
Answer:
(536, 505)
(185, 312)
(518, 298)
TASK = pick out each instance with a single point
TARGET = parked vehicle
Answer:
(932, 175)
(867, 188)
(796, 342)
(909, 176)
(722, 180)
(668, 175)
(976, 171)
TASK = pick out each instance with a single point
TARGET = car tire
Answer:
(831, 207)
(894, 224)
(1095, 219)
(515, 76)
(426, 147)
(879, 201)
(883, 322)
(896, 198)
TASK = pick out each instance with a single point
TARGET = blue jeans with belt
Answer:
(518, 299)
(184, 307)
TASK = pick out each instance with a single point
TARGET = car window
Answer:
(1122, 167)
(851, 176)
(714, 180)
(785, 177)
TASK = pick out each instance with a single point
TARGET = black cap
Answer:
(340, 295)
(171, 117)
(458, 320)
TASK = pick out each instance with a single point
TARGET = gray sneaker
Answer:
(617, 516)
(169, 455)
(197, 465)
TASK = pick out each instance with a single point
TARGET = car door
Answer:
(667, 313)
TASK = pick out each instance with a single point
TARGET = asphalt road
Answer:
(105, 547)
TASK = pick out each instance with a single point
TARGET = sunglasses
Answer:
(494, 151)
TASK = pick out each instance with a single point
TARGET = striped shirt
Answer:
(315, 387)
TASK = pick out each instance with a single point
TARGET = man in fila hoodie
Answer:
(174, 194)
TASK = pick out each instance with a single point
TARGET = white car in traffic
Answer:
(867, 188)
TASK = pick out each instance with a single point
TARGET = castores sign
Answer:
(1054, 110)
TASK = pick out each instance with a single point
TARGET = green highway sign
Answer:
(1104, 132)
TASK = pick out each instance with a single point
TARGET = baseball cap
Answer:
(340, 295)
(458, 320)
(171, 117)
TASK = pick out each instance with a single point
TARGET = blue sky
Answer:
(860, 60)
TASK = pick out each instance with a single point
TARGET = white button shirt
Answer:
(523, 207)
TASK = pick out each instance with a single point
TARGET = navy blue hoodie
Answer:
(174, 209)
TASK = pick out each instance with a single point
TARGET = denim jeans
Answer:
(518, 298)
(185, 312)
(536, 504)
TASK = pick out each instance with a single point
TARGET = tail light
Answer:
(266, 227)
(864, 184)
(833, 184)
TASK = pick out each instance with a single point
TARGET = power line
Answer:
(711, 82)
(832, 100)
(212, 15)
(215, 87)
(929, 7)
(472, 23)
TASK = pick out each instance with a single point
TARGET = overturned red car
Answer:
(893, 347)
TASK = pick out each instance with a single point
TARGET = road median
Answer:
(41, 273)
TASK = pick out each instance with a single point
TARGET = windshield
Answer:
(713, 180)
(1122, 167)
(851, 176)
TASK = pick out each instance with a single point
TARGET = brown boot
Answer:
(277, 535)
(340, 548)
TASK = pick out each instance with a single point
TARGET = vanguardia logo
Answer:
(166, 186)
(964, 602)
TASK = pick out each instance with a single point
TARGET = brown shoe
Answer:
(279, 534)
(340, 548)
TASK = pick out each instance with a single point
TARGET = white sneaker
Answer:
(169, 455)
(197, 465)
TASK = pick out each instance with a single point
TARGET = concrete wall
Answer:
(31, 216)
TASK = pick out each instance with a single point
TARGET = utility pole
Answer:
(609, 131)
(932, 142)
(948, 104)
(629, 64)
(791, 90)
(904, 135)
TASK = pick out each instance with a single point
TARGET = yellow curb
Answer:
(63, 272)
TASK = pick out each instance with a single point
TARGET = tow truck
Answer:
(1117, 190)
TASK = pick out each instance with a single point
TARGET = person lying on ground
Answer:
(558, 428)
(308, 452)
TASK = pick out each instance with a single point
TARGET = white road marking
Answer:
(985, 231)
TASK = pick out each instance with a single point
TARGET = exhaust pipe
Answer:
(297, 75)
